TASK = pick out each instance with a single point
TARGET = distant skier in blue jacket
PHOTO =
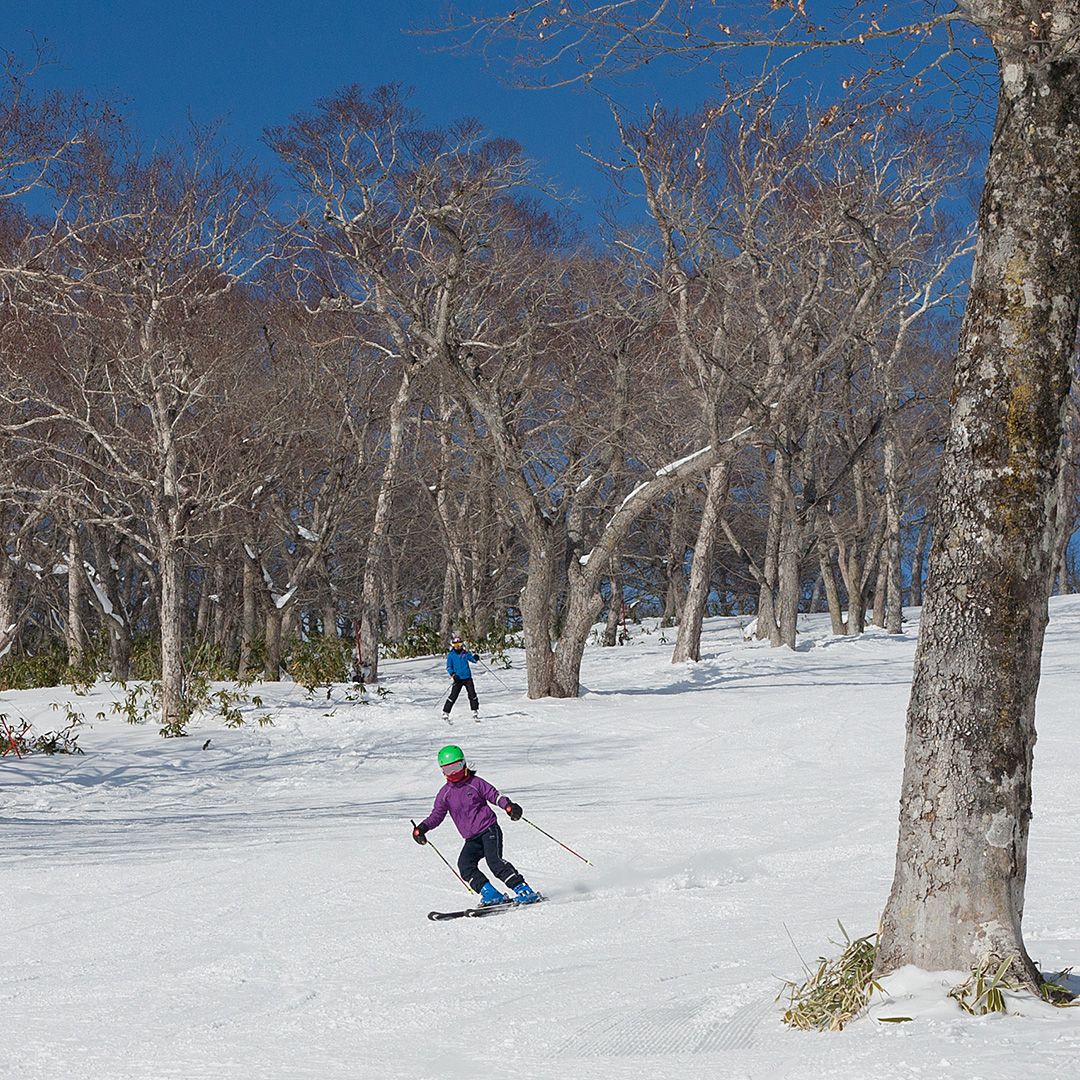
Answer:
(457, 667)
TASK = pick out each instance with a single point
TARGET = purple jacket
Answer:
(467, 804)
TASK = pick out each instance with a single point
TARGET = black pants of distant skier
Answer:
(474, 702)
(488, 846)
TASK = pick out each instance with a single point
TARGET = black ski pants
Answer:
(488, 846)
(474, 702)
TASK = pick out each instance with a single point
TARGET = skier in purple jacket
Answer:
(465, 797)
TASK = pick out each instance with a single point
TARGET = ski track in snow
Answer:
(258, 909)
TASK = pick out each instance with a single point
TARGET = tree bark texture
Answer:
(832, 590)
(272, 660)
(9, 621)
(768, 625)
(583, 607)
(541, 585)
(958, 893)
(171, 559)
(76, 633)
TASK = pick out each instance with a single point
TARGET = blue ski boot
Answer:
(524, 895)
(489, 895)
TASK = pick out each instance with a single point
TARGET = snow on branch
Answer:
(674, 467)
(102, 597)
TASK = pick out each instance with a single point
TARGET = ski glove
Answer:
(514, 811)
(418, 833)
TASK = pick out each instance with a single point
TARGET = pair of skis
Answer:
(446, 717)
(482, 912)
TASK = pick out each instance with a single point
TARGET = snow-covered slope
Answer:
(257, 909)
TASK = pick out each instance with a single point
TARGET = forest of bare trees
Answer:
(394, 391)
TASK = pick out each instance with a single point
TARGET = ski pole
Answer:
(493, 675)
(448, 866)
(559, 842)
(446, 693)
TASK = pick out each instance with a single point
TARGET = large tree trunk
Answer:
(449, 602)
(958, 892)
(847, 558)
(537, 598)
(584, 604)
(789, 584)
(673, 571)
(881, 581)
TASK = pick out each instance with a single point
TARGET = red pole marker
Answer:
(11, 739)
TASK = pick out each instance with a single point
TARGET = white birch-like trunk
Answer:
(688, 642)
(768, 625)
(9, 622)
(171, 561)
(76, 633)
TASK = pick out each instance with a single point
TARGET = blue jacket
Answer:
(457, 663)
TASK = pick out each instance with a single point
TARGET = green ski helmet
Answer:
(452, 762)
(449, 754)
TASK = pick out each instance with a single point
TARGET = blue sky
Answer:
(258, 63)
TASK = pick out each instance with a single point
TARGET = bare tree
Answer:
(783, 240)
(382, 244)
(163, 241)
